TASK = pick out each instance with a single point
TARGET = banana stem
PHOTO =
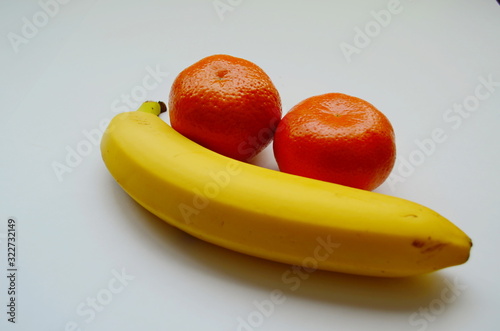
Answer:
(153, 107)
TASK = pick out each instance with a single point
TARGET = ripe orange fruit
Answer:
(336, 138)
(226, 104)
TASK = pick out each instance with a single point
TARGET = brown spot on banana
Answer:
(418, 243)
(427, 246)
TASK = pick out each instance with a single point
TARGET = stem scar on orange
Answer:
(226, 104)
(336, 138)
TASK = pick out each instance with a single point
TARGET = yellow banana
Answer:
(270, 214)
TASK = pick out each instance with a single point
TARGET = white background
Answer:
(89, 257)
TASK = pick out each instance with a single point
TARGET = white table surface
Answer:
(89, 258)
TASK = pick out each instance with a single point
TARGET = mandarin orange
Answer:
(336, 138)
(226, 104)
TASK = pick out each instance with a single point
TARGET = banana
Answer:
(270, 214)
